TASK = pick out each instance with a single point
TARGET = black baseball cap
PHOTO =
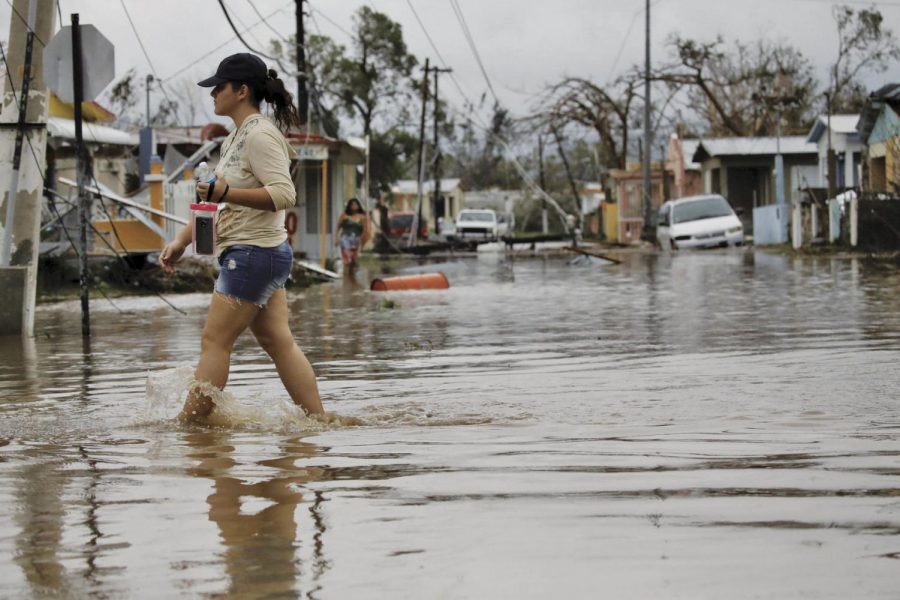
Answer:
(243, 67)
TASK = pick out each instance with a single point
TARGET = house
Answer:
(743, 170)
(686, 175)
(628, 184)
(879, 129)
(404, 194)
(838, 133)
(328, 161)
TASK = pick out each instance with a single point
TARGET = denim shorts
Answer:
(252, 273)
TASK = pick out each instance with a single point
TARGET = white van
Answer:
(698, 222)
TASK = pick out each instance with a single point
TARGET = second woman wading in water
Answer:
(255, 184)
(352, 232)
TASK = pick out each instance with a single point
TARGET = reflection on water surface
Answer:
(669, 427)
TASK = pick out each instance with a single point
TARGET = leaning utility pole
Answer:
(648, 133)
(417, 217)
(437, 152)
(302, 96)
(23, 127)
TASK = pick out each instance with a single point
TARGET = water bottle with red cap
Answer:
(203, 216)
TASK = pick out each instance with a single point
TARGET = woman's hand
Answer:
(218, 190)
(170, 255)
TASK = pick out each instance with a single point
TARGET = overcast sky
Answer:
(523, 44)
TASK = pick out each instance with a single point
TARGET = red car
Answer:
(400, 225)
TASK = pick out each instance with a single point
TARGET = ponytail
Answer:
(274, 92)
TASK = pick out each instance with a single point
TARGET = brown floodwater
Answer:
(703, 425)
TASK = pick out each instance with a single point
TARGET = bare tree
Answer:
(744, 90)
(606, 111)
(863, 45)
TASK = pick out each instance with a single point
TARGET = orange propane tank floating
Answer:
(425, 281)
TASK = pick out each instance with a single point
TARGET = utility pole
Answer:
(829, 157)
(437, 152)
(302, 96)
(84, 208)
(575, 195)
(417, 217)
(22, 181)
(648, 133)
(149, 80)
(545, 225)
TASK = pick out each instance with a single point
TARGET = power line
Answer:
(264, 21)
(332, 21)
(25, 23)
(471, 41)
(425, 31)
(172, 104)
(238, 33)
(631, 25)
(275, 58)
(220, 46)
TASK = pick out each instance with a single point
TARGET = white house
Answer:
(847, 147)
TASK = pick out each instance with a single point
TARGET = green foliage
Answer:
(391, 154)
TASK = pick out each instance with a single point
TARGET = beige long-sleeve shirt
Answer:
(255, 155)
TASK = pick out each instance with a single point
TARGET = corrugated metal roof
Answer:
(844, 124)
(91, 132)
(752, 146)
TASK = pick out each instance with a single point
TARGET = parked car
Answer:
(400, 225)
(481, 223)
(699, 222)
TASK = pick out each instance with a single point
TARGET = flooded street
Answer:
(703, 425)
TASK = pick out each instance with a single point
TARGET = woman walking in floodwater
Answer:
(254, 183)
(352, 232)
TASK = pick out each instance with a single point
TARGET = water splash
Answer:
(166, 391)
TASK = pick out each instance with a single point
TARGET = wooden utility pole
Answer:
(437, 152)
(300, 38)
(646, 205)
(417, 217)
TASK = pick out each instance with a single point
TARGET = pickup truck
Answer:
(474, 223)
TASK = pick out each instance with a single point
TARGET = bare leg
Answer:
(274, 335)
(226, 320)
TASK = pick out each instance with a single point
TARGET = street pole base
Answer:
(13, 283)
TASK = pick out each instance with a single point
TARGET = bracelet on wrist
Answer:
(225, 193)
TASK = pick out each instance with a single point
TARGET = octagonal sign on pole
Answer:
(99, 64)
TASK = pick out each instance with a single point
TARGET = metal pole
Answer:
(302, 96)
(829, 157)
(545, 225)
(648, 134)
(779, 176)
(437, 153)
(6, 248)
(417, 217)
(149, 80)
(83, 206)
(366, 182)
(324, 248)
